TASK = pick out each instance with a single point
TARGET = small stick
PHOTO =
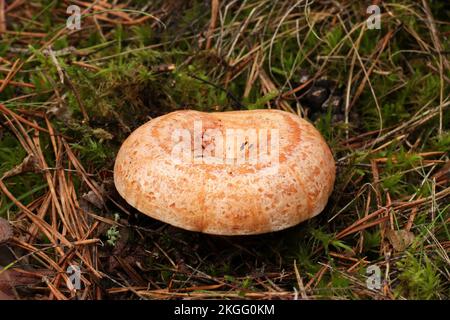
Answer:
(2, 17)
(212, 25)
(300, 282)
(411, 219)
(18, 84)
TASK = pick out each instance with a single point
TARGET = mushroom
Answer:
(226, 173)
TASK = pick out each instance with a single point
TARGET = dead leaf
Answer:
(11, 278)
(6, 231)
(400, 239)
(60, 111)
(4, 296)
(29, 164)
(93, 199)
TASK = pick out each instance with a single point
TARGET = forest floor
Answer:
(380, 97)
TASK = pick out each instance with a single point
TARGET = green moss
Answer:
(419, 278)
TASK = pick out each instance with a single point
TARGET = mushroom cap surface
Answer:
(198, 192)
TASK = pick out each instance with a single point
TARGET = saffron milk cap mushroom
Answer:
(226, 173)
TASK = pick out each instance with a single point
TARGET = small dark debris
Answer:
(319, 96)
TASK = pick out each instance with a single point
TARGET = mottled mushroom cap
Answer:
(169, 170)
